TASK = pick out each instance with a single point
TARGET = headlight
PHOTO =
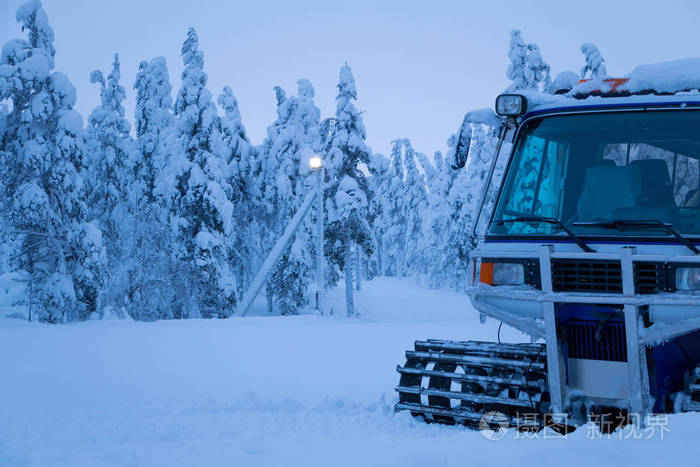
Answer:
(502, 273)
(688, 278)
(511, 105)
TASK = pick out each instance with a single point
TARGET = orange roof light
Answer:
(614, 84)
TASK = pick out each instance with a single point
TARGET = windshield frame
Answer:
(640, 236)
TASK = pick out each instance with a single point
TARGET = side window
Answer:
(522, 194)
(614, 154)
(643, 151)
(686, 181)
(622, 154)
(538, 187)
(551, 183)
(654, 166)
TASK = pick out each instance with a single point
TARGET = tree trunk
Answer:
(382, 258)
(378, 256)
(358, 268)
(268, 295)
(349, 307)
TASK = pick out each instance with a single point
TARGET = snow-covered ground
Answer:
(265, 390)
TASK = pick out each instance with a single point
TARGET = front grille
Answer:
(650, 278)
(532, 273)
(596, 340)
(570, 275)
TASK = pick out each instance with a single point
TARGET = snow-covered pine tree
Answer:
(292, 140)
(536, 69)
(272, 191)
(380, 195)
(237, 151)
(595, 63)
(154, 276)
(4, 112)
(234, 143)
(112, 192)
(299, 264)
(465, 190)
(415, 202)
(157, 135)
(43, 155)
(205, 208)
(437, 220)
(395, 214)
(527, 69)
(403, 208)
(346, 189)
(517, 53)
(6, 246)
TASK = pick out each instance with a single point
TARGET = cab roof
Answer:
(667, 84)
(539, 104)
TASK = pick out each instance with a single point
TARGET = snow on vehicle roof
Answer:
(537, 105)
(678, 81)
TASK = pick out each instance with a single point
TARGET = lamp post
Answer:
(316, 164)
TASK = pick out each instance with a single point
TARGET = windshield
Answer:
(604, 167)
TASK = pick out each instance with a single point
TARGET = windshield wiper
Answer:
(623, 224)
(554, 221)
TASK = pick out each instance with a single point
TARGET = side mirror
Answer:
(475, 117)
(464, 140)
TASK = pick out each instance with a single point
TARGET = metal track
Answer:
(459, 382)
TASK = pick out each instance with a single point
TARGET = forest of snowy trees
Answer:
(170, 214)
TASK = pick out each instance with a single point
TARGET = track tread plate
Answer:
(466, 380)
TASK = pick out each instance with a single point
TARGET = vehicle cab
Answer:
(592, 242)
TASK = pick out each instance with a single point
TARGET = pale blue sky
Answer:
(418, 65)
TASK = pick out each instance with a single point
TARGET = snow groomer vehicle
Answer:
(590, 244)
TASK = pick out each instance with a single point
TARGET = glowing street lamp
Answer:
(316, 164)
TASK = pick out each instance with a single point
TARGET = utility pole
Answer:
(316, 164)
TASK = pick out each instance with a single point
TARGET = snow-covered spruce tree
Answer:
(396, 221)
(299, 267)
(237, 151)
(415, 200)
(112, 190)
(156, 131)
(43, 155)
(527, 70)
(234, 143)
(277, 196)
(595, 63)
(205, 210)
(346, 188)
(436, 242)
(111, 152)
(536, 69)
(517, 53)
(292, 140)
(464, 196)
(6, 246)
(380, 195)
(156, 285)
(403, 209)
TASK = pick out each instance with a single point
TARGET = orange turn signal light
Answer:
(486, 273)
